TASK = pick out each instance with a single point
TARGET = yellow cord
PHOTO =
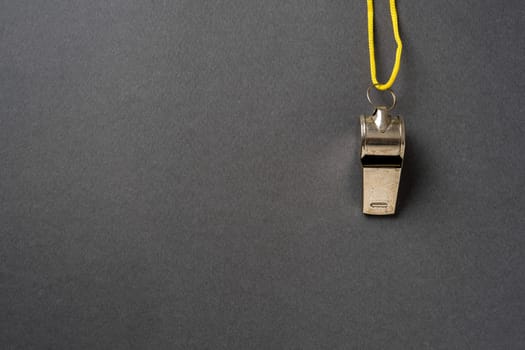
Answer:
(371, 45)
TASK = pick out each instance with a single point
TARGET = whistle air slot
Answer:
(382, 161)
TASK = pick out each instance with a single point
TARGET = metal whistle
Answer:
(382, 152)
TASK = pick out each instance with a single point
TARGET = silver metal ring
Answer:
(394, 100)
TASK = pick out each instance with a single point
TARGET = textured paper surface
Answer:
(185, 175)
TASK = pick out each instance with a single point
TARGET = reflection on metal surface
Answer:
(382, 152)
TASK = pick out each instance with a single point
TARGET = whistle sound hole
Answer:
(378, 205)
(382, 161)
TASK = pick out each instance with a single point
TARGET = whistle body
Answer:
(382, 152)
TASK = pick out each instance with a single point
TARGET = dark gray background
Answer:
(185, 175)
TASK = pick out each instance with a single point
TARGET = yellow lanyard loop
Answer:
(371, 45)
